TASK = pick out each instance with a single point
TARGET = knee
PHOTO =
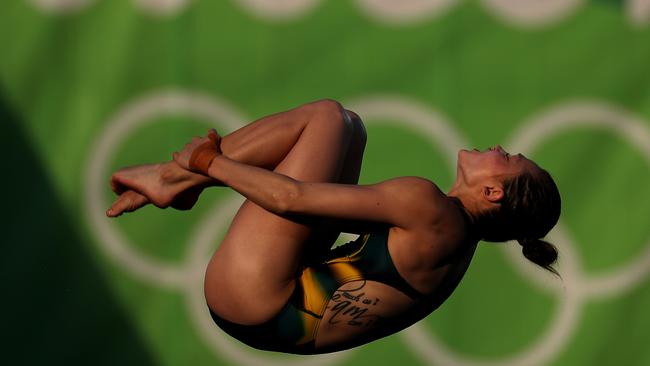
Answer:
(328, 108)
(333, 113)
(328, 104)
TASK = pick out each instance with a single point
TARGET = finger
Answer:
(213, 136)
(180, 160)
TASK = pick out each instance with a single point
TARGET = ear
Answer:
(493, 193)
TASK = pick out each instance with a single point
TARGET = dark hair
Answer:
(529, 210)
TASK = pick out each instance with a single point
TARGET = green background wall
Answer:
(88, 86)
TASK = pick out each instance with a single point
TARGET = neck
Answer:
(468, 207)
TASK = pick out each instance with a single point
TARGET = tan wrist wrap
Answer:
(202, 156)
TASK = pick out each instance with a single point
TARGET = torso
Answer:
(433, 263)
(335, 307)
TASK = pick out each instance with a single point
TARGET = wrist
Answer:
(213, 168)
(217, 167)
(202, 157)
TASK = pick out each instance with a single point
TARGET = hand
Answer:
(197, 154)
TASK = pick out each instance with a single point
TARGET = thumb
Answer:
(214, 136)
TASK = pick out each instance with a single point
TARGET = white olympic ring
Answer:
(438, 130)
(578, 289)
(162, 7)
(532, 13)
(282, 10)
(187, 277)
(420, 119)
(136, 115)
(425, 122)
(61, 6)
(638, 11)
(597, 115)
(521, 13)
(404, 12)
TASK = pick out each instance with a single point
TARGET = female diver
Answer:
(275, 284)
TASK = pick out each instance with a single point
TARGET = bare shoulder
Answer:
(423, 196)
(415, 186)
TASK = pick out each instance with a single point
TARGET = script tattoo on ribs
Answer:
(353, 306)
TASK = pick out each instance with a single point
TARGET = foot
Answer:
(128, 201)
(164, 184)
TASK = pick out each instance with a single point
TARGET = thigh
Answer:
(325, 231)
(379, 311)
(252, 274)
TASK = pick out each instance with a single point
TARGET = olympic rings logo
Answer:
(519, 13)
(187, 277)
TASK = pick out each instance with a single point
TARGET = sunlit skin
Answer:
(305, 163)
(480, 176)
(478, 184)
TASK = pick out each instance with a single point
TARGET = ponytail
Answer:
(529, 209)
(540, 252)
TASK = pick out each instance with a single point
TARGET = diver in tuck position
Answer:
(274, 283)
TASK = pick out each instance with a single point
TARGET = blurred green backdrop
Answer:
(88, 86)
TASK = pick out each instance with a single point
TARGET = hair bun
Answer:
(540, 252)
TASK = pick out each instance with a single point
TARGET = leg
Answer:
(251, 275)
(263, 143)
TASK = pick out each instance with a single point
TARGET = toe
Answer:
(126, 202)
(117, 185)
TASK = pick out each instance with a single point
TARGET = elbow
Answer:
(286, 202)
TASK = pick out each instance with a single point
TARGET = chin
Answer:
(460, 161)
(462, 155)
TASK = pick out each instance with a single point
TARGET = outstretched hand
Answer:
(197, 154)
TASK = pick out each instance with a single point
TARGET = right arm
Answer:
(404, 202)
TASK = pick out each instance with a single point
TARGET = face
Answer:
(490, 166)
